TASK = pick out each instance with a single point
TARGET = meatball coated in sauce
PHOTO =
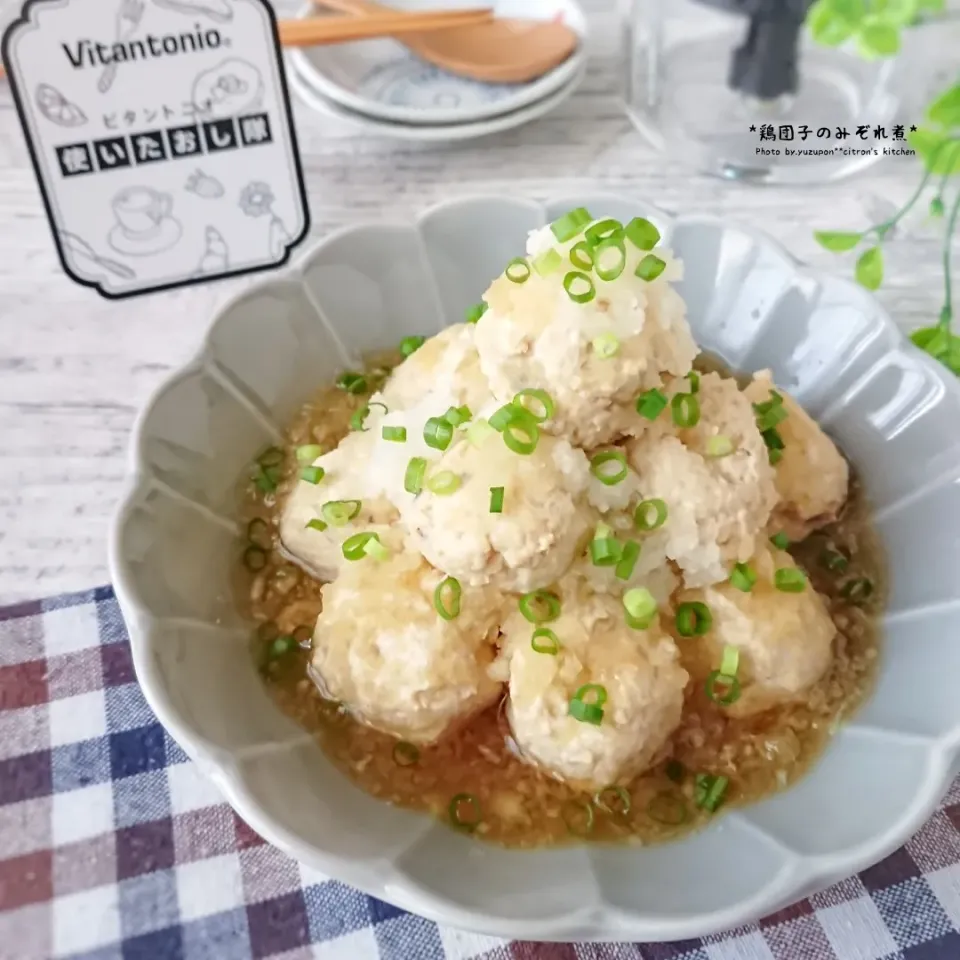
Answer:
(812, 477)
(785, 640)
(535, 336)
(346, 478)
(717, 505)
(382, 649)
(639, 670)
(542, 526)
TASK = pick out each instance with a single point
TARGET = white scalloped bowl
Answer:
(893, 411)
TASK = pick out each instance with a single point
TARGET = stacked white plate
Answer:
(384, 88)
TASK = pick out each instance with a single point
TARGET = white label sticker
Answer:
(162, 137)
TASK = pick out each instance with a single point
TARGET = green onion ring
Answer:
(405, 754)
(693, 619)
(518, 270)
(610, 271)
(641, 515)
(409, 345)
(475, 312)
(685, 408)
(603, 230)
(413, 477)
(613, 799)
(521, 436)
(857, 590)
(338, 513)
(780, 541)
(254, 559)
(668, 809)
(394, 434)
(732, 684)
(836, 561)
(547, 406)
(312, 474)
(308, 453)
(575, 277)
(641, 608)
(446, 598)
(628, 560)
(709, 790)
(790, 580)
(743, 577)
(546, 641)
(473, 817)
(540, 606)
(496, 499)
(651, 404)
(316, 524)
(437, 433)
(443, 483)
(581, 256)
(354, 383)
(570, 224)
(600, 461)
(642, 233)
(271, 457)
(258, 533)
(650, 267)
(571, 817)
(354, 548)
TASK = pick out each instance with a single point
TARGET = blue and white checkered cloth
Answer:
(114, 847)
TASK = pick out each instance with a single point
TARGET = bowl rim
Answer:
(799, 877)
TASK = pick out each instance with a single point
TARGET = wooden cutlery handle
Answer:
(321, 30)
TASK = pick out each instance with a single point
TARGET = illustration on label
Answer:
(157, 129)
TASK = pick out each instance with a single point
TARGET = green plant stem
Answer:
(947, 314)
(947, 174)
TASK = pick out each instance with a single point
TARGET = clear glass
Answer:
(713, 88)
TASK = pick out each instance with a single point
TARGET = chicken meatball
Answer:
(639, 671)
(358, 504)
(448, 366)
(812, 477)
(715, 481)
(537, 534)
(381, 648)
(784, 639)
(535, 336)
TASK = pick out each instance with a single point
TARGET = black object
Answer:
(765, 64)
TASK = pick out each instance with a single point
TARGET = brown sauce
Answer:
(521, 806)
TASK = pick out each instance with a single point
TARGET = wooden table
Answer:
(74, 368)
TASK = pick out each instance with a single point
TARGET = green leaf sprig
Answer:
(875, 27)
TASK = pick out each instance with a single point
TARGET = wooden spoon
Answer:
(504, 51)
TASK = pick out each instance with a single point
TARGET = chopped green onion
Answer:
(282, 646)
(719, 446)
(603, 230)
(446, 598)
(465, 811)
(312, 474)
(258, 533)
(578, 816)
(628, 560)
(709, 790)
(780, 540)
(405, 754)
(650, 267)
(546, 641)
(540, 606)
(581, 256)
(437, 433)
(728, 683)
(743, 577)
(316, 524)
(642, 233)
(693, 619)
(443, 483)
(478, 431)
(394, 434)
(641, 608)
(409, 345)
(642, 518)
(355, 547)
(605, 551)
(521, 436)
(775, 456)
(570, 224)
(354, 383)
(668, 809)
(774, 441)
(374, 548)
(308, 453)
(609, 467)
(338, 513)
(413, 478)
(359, 418)
(651, 404)
(674, 771)
(271, 457)
(475, 312)
(834, 560)
(608, 266)
(790, 580)
(546, 409)
(606, 346)
(770, 413)
(456, 416)
(685, 408)
(858, 590)
(254, 558)
(585, 290)
(518, 270)
(588, 711)
(547, 263)
(496, 500)
(501, 418)
(266, 479)
(694, 378)
(613, 799)
(730, 661)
